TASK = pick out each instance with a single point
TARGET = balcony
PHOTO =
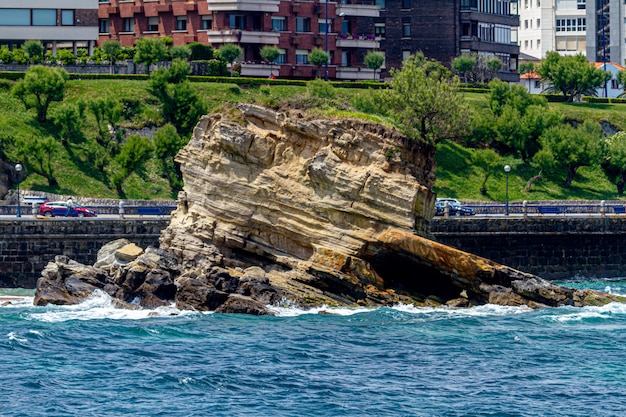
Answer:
(360, 10)
(243, 36)
(356, 74)
(258, 70)
(357, 41)
(268, 6)
(476, 44)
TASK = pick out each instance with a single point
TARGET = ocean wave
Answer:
(98, 306)
(579, 314)
(452, 312)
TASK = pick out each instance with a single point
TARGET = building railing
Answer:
(550, 208)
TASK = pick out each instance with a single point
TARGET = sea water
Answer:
(93, 360)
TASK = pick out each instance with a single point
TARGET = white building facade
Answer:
(553, 25)
(52, 22)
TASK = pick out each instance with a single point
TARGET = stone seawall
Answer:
(552, 247)
(26, 246)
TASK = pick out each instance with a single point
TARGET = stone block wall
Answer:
(26, 246)
(552, 247)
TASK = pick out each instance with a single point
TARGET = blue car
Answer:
(454, 206)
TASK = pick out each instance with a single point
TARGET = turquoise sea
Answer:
(93, 360)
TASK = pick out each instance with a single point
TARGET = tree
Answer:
(69, 119)
(566, 148)
(571, 75)
(374, 60)
(318, 58)
(424, 102)
(527, 68)
(614, 160)
(112, 49)
(107, 110)
(493, 66)
(488, 160)
(39, 87)
(38, 154)
(229, 52)
(135, 152)
(181, 105)
(167, 143)
(180, 52)
(150, 51)
(463, 65)
(270, 54)
(34, 50)
(519, 118)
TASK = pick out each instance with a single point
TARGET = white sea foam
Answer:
(15, 301)
(478, 311)
(100, 305)
(607, 311)
(15, 338)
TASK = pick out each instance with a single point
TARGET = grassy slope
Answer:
(456, 175)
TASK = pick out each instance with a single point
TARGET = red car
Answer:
(59, 208)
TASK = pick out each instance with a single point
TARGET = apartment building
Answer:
(553, 25)
(53, 22)
(345, 30)
(444, 29)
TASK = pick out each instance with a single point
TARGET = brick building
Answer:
(53, 22)
(441, 29)
(294, 27)
(444, 29)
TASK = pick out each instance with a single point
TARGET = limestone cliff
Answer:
(334, 211)
(283, 208)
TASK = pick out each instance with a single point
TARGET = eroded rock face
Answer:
(278, 209)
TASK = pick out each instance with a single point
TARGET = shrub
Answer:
(201, 52)
(320, 89)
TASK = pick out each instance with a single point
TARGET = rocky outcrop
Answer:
(283, 208)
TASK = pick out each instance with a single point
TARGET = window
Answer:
(345, 58)
(526, 44)
(207, 22)
(302, 56)
(406, 54)
(67, 17)
(379, 30)
(582, 4)
(15, 17)
(236, 21)
(406, 4)
(538, 23)
(406, 29)
(44, 17)
(279, 24)
(537, 84)
(322, 26)
(525, 24)
(153, 24)
(282, 58)
(382, 4)
(181, 22)
(538, 43)
(614, 84)
(128, 24)
(105, 25)
(303, 24)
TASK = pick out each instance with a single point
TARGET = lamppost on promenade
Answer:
(18, 169)
(326, 39)
(507, 169)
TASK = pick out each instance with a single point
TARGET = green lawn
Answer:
(456, 176)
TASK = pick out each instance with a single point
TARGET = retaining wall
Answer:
(554, 247)
(26, 246)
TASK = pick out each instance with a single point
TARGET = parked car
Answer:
(59, 208)
(455, 207)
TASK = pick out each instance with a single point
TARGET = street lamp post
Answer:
(18, 169)
(507, 169)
